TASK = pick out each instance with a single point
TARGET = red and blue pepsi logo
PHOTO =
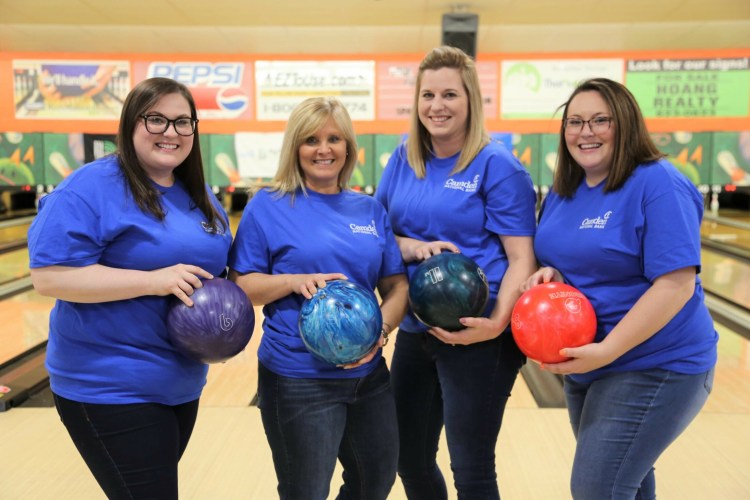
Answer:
(217, 88)
(232, 99)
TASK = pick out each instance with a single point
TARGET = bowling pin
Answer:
(714, 204)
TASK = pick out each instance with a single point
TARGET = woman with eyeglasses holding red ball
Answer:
(113, 243)
(622, 225)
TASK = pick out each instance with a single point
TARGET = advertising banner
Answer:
(221, 90)
(281, 85)
(222, 164)
(548, 158)
(527, 148)
(731, 158)
(257, 154)
(534, 89)
(96, 146)
(21, 162)
(396, 82)
(70, 90)
(686, 88)
(363, 176)
(385, 145)
(690, 152)
(63, 153)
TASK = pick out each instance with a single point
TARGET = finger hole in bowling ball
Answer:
(447, 287)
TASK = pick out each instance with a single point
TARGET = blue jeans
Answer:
(623, 422)
(131, 449)
(464, 388)
(311, 422)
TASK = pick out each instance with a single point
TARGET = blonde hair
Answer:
(306, 119)
(419, 142)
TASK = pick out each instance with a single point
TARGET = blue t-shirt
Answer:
(493, 196)
(118, 352)
(346, 233)
(613, 246)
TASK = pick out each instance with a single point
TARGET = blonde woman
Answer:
(306, 229)
(450, 189)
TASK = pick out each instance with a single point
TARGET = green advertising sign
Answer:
(385, 145)
(21, 161)
(689, 152)
(686, 88)
(63, 153)
(363, 177)
(526, 148)
(205, 144)
(548, 158)
(222, 164)
(730, 158)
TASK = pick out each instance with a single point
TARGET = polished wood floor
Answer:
(228, 457)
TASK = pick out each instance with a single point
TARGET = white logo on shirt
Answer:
(212, 229)
(465, 186)
(368, 229)
(596, 222)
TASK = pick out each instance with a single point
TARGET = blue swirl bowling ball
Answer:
(217, 327)
(341, 322)
(447, 287)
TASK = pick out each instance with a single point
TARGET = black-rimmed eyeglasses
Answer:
(157, 124)
(596, 124)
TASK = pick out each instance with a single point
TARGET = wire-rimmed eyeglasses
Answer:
(596, 124)
(158, 124)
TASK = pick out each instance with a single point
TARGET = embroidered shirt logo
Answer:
(368, 229)
(596, 222)
(212, 228)
(465, 186)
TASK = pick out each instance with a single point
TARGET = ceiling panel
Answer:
(367, 26)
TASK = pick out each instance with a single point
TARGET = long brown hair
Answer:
(190, 172)
(632, 146)
(419, 142)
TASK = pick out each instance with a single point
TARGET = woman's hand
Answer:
(543, 275)
(179, 280)
(368, 357)
(413, 249)
(308, 284)
(426, 250)
(583, 359)
(477, 330)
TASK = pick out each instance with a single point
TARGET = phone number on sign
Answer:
(281, 110)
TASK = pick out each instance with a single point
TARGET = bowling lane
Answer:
(14, 230)
(726, 277)
(14, 265)
(732, 232)
(25, 323)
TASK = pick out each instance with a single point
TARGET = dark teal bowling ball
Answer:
(341, 322)
(447, 287)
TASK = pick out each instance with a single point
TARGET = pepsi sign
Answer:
(221, 90)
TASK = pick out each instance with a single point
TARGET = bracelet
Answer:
(385, 333)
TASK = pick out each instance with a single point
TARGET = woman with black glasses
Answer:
(623, 226)
(113, 243)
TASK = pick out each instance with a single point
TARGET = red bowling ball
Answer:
(550, 317)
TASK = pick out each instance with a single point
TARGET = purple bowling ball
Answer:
(217, 327)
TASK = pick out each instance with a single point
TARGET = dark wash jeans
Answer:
(131, 449)
(464, 388)
(310, 423)
(623, 422)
